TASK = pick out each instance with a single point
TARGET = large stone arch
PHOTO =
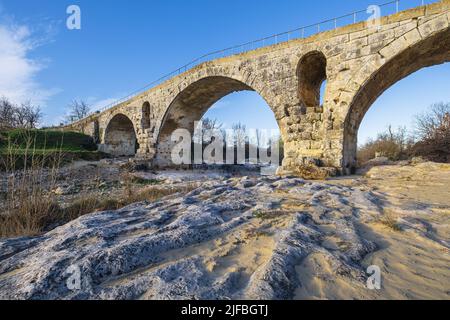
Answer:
(193, 100)
(120, 136)
(426, 51)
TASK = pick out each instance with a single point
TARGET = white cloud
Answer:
(18, 71)
(221, 104)
(99, 104)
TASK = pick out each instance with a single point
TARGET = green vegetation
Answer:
(46, 140)
(145, 182)
(20, 146)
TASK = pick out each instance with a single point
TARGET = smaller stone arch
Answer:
(146, 115)
(311, 74)
(120, 137)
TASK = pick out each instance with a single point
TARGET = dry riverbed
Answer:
(247, 237)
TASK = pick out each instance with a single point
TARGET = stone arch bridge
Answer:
(359, 62)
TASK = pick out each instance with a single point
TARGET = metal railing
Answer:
(298, 33)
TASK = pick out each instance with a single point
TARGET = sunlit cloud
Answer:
(100, 104)
(221, 104)
(18, 70)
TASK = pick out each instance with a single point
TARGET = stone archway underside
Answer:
(190, 106)
(120, 137)
(432, 51)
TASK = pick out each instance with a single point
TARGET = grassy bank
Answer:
(20, 147)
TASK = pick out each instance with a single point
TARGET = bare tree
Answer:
(33, 115)
(262, 139)
(432, 124)
(433, 130)
(78, 110)
(240, 133)
(393, 144)
(25, 116)
(210, 126)
(7, 114)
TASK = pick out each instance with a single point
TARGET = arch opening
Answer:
(146, 116)
(96, 135)
(191, 105)
(434, 50)
(120, 137)
(312, 76)
(246, 120)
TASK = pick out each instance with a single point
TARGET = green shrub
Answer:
(20, 147)
(48, 140)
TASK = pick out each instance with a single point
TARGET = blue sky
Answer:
(123, 45)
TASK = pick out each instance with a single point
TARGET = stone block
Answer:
(404, 28)
(437, 24)
(412, 37)
(381, 36)
(394, 48)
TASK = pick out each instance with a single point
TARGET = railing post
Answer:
(396, 6)
(354, 17)
(335, 23)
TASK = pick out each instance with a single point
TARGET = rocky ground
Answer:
(109, 178)
(249, 237)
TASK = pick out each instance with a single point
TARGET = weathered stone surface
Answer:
(404, 28)
(434, 25)
(359, 62)
(250, 238)
(149, 250)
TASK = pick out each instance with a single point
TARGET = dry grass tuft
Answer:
(390, 221)
(42, 213)
(29, 219)
(29, 209)
(269, 214)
